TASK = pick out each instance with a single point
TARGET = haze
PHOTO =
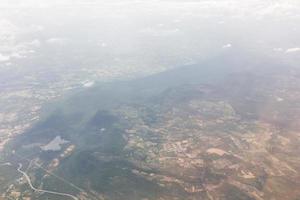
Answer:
(128, 38)
(150, 100)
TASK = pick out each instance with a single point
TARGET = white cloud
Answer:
(4, 58)
(88, 83)
(236, 8)
(35, 43)
(103, 44)
(277, 49)
(226, 46)
(56, 41)
(12, 44)
(36, 28)
(293, 50)
(159, 32)
(8, 33)
(17, 55)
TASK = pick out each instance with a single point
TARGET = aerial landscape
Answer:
(149, 100)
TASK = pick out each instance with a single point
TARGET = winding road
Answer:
(40, 190)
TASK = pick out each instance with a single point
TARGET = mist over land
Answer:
(158, 99)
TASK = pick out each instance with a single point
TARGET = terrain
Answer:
(205, 131)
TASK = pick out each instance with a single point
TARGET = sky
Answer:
(143, 36)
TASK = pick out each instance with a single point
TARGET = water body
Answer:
(55, 144)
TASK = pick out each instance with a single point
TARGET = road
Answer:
(5, 164)
(40, 190)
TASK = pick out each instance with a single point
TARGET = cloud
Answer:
(159, 32)
(102, 44)
(35, 43)
(4, 58)
(236, 8)
(88, 83)
(8, 33)
(277, 49)
(293, 50)
(56, 41)
(226, 46)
